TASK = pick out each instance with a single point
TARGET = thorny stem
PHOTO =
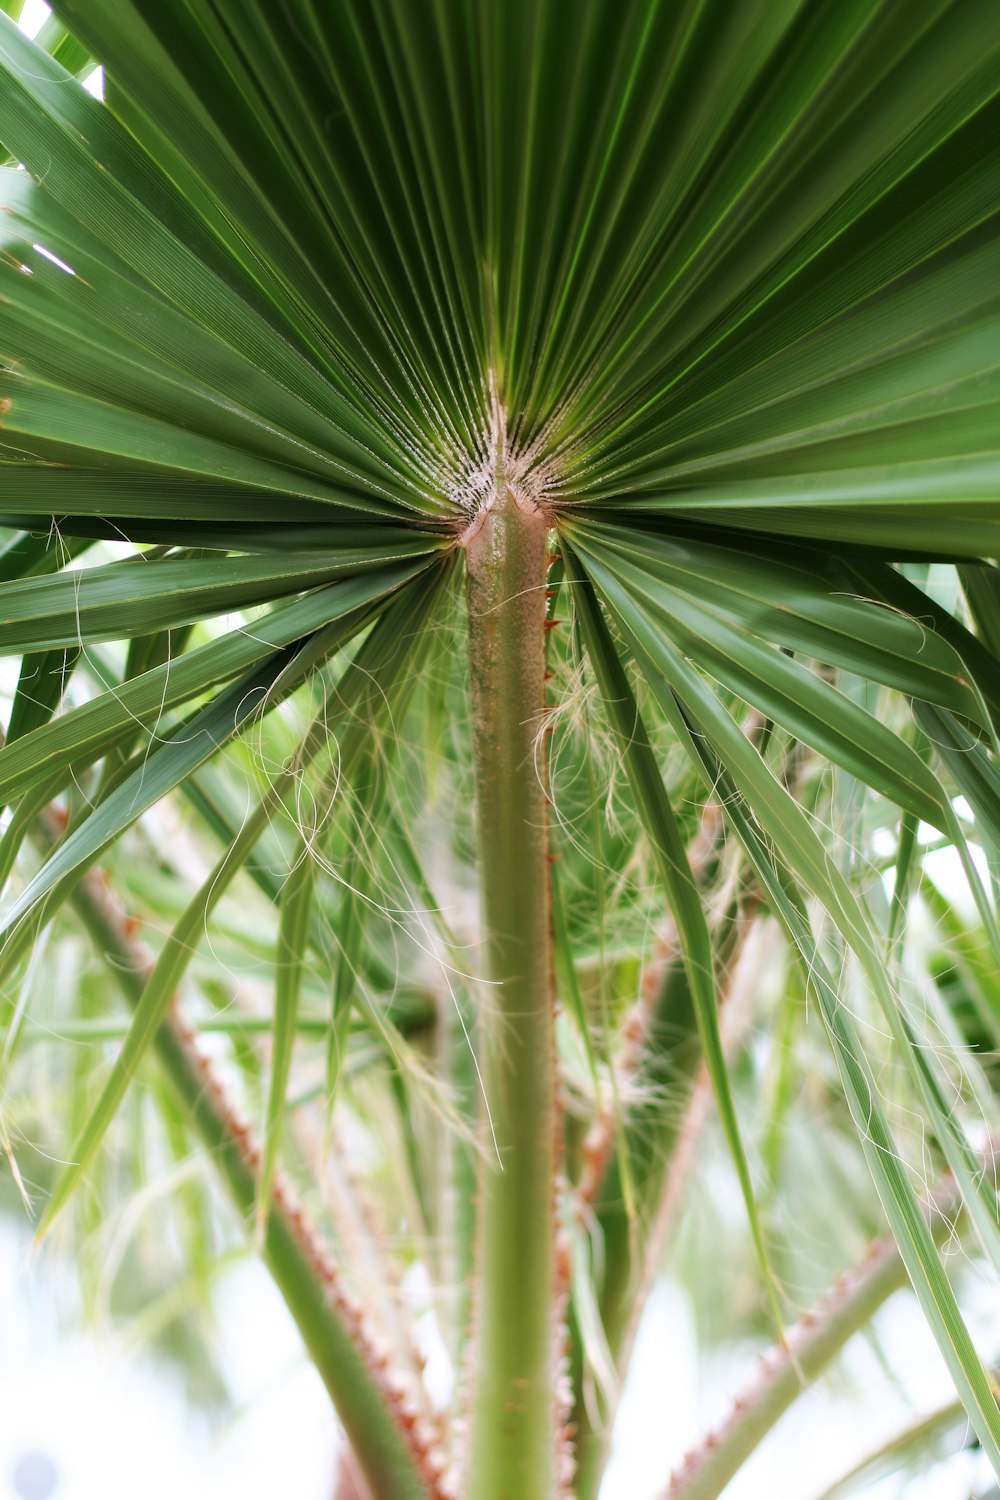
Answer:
(747, 957)
(400, 1458)
(816, 1339)
(364, 1242)
(634, 1032)
(513, 1403)
(632, 1253)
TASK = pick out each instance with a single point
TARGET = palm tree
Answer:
(546, 448)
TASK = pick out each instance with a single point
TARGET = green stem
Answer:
(379, 1426)
(810, 1346)
(513, 1414)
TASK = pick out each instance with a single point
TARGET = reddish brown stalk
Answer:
(737, 1011)
(634, 1030)
(292, 1240)
(363, 1239)
(787, 1369)
(630, 1269)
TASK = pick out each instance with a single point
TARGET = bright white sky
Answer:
(33, 16)
(114, 1425)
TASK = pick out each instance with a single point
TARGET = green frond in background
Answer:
(670, 333)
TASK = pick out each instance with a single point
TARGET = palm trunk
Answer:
(513, 1417)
